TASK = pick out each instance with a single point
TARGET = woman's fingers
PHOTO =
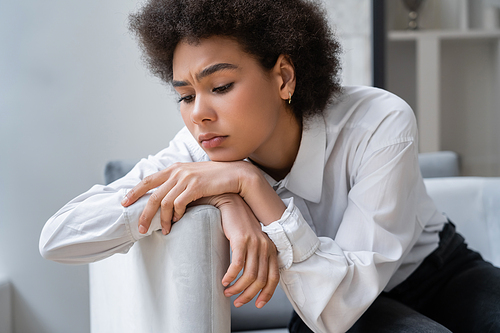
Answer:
(154, 202)
(255, 282)
(260, 275)
(169, 206)
(169, 200)
(179, 185)
(172, 195)
(273, 279)
(211, 178)
(250, 274)
(253, 252)
(188, 195)
(237, 264)
(148, 183)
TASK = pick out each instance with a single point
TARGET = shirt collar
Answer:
(306, 176)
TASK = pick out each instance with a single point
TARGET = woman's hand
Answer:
(244, 198)
(252, 251)
(183, 183)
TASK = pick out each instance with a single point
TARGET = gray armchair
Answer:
(191, 299)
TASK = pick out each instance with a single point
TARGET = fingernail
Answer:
(175, 219)
(163, 231)
(225, 283)
(142, 229)
(125, 201)
(228, 294)
(261, 304)
(238, 304)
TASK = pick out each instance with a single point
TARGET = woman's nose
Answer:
(202, 111)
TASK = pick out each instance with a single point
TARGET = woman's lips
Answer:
(213, 142)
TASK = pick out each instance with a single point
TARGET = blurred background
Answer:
(74, 94)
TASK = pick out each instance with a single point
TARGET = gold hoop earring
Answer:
(289, 98)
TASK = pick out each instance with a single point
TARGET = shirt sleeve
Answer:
(331, 282)
(95, 225)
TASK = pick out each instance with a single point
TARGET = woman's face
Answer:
(229, 103)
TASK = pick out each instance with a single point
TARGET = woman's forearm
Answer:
(261, 198)
(183, 183)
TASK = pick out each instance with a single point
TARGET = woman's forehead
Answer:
(193, 58)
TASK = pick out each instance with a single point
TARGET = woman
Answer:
(330, 173)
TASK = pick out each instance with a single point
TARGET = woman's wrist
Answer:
(254, 189)
(260, 196)
(221, 200)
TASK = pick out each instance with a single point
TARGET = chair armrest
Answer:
(166, 283)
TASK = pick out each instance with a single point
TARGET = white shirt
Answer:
(358, 218)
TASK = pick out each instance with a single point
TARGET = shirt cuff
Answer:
(293, 237)
(132, 214)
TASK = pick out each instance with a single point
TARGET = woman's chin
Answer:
(224, 157)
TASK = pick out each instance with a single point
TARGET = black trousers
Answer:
(453, 289)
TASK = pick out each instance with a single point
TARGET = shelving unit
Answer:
(425, 53)
(449, 73)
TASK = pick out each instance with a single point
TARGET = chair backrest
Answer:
(140, 292)
(117, 169)
(439, 164)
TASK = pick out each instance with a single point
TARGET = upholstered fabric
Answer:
(439, 164)
(473, 205)
(141, 292)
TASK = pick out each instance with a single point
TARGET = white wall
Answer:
(73, 95)
(352, 23)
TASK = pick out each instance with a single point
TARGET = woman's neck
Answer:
(278, 158)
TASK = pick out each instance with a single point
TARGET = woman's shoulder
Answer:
(368, 93)
(371, 118)
(368, 107)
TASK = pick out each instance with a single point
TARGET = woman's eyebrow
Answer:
(206, 72)
(214, 68)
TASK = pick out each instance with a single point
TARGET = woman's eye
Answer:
(222, 89)
(186, 99)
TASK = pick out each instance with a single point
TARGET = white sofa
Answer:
(473, 205)
(130, 294)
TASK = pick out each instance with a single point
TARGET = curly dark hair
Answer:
(264, 28)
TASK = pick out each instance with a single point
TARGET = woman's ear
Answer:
(286, 77)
